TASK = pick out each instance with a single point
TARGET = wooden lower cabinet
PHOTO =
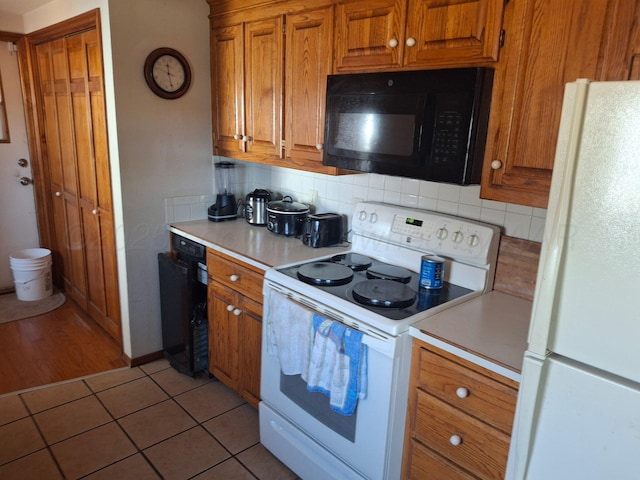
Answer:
(235, 324)
(459, 420)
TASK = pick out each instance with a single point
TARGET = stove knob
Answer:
(362, 216)
(373, 218)
(442, 233)
(474, 240)
(457, 237)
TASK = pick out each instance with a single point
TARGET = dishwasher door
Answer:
(183, 307)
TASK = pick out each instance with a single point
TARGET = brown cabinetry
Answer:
(548, 44)
(409, 34)
(269, 69)
(235, 324)
(460, 418)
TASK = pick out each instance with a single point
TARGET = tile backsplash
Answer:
(339, 194)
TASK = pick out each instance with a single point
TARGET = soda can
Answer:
(431, 271)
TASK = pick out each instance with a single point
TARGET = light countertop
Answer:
(489, 330)
(252, 244)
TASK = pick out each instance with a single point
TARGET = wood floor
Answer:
(60, 345)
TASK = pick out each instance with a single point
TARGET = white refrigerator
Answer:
(578, 411)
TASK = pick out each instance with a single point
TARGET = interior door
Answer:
(17, 207)
(68, 85)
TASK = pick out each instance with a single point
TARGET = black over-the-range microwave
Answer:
(428, 125)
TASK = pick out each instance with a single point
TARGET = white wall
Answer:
(164, 146)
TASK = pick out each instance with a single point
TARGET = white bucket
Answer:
(31, 270)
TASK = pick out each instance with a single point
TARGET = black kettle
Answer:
(255, 208)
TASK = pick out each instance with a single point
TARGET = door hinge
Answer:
(284, 28)
(501, 41)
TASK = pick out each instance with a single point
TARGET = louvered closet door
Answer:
(69, 73)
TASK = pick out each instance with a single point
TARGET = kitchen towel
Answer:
(338, 364)
(289, 333)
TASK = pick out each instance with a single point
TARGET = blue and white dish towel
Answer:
(328, 355)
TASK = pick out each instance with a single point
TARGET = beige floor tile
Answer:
(132, 468)
(186, 455)
(156, 423)
(11, 409)
(92, 450)
(228, 470)
(39, 400)
(208, 401)
(19, 438)
(131, 397)
(75, 417)
(264, 465)
(113, 379)
(155, 366)
(175, 383)
(237, 429)
(37, 466)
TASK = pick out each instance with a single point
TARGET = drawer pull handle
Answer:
(230, 308)
(455, 440)
(462, 392)
(234, 278)
(237, 312)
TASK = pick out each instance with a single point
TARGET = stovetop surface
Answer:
(396, 299)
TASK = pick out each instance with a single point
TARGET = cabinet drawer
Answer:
(482, 449)
(471, 391)
(236, 275)
(425, 463)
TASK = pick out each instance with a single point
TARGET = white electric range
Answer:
(373, 289)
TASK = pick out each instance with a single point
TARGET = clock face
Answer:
(167, 73)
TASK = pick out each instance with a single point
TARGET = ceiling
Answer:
(18, 7)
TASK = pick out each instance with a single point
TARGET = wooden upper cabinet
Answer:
(548, 43)
(417, 33)
(308, 62)
(246, 72)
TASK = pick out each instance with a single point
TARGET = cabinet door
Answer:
(452, 32)
(224, 316)
(369, 33)
(547, 44)
(263, 86)
(308, 62)
(250, 349)
(227, 89)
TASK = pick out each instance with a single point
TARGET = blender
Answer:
(225, 207)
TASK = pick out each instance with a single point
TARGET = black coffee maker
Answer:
(226, 207)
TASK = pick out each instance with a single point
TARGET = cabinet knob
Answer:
(411, 42)
(462, 392)
(230, 308)
(319, 146)
(237, 137)
(393, 43)
(496, 164)
(246, 139)
(94, 211)
(234, 278)
(237, 312)
(455, 440)
(58, 194)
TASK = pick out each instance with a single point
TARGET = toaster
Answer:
(322, 230)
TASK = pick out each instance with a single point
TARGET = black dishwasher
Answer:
(183, 305)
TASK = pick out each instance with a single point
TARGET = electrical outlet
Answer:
(313, 196)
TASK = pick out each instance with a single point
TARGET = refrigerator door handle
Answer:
(556, 226)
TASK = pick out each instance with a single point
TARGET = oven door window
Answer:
(317, 405)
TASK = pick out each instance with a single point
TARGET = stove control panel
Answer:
(427, 231)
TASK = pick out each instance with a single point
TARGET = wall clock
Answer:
(167, 73)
